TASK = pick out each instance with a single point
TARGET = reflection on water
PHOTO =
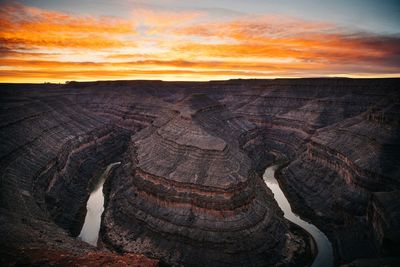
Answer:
(325, 254)
(95, 208)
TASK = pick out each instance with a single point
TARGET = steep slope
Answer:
(51, 150)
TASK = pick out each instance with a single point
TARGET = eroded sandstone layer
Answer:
(189, 190)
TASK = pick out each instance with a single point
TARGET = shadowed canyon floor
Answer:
(189, 189)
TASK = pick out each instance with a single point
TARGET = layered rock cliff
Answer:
(188, 190)
(51, 152)
(192, 195)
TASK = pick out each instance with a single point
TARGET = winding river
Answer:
(95, 208)
(324, 257)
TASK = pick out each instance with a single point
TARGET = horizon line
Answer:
(206, 81)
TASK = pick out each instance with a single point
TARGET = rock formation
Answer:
(188, 190)
(383, 214)
(191, 194)
(51, 150)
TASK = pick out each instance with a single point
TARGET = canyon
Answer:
(189, 190)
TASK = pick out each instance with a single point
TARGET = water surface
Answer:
(324, 257)
(95, 208)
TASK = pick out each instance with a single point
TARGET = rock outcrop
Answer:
(384, 215)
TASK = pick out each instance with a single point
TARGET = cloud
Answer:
(167, 67)
(327, 49)
(29, 27)
(256, 27)
(157, 20)
(38, 44)
(286, 37)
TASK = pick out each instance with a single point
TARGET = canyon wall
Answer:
(52, 152)
(189, 190)
(191, 193)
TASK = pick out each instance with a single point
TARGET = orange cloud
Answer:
(85, 75)
(306, 42)
(176, 64)
(168, 67)
(325, 51)
(29, 27)
(257, 27)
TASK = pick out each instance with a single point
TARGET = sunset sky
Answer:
(58, 41)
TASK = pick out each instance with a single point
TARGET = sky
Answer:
(82, 40)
